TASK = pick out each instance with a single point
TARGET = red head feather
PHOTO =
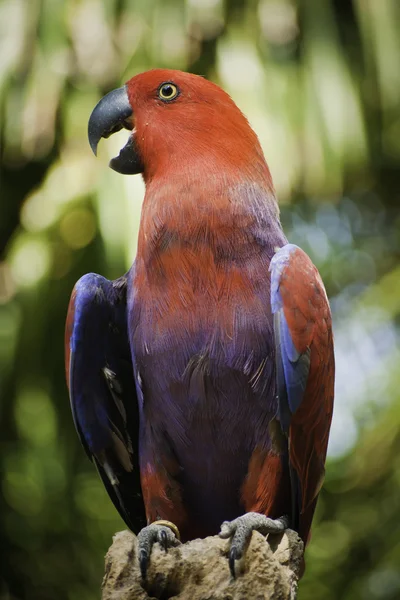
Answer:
(201, 129)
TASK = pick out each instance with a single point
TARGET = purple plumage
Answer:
(200, 328)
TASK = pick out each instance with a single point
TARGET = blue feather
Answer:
(292, 366)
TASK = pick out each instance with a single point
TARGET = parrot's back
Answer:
(201, 334)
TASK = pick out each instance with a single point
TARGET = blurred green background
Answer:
(320, 83)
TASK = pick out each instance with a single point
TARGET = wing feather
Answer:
(102, 389)
(305, 372)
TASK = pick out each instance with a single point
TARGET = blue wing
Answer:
(102, 389)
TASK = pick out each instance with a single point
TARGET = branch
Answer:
(198, 570)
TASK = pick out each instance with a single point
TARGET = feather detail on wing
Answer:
(305, 373)
(102, 389)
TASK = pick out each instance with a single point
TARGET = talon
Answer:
(143, 562)
(241, 529)
(233, 556)
(162, 532)
(164, 540)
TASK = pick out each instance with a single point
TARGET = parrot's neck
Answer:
(229, 218)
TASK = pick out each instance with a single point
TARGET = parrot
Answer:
(201, 381)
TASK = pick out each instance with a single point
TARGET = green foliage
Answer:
(320, 83)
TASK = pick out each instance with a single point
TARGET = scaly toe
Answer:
(240, 531)
(159, 531)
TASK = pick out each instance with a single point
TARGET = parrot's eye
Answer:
(168, 92)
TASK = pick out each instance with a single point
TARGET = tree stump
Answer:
(199, 570)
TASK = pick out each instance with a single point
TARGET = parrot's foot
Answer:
(240, 531)
(163, 532)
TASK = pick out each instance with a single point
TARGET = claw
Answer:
(163, 540)
(163, 532)
(240, 531)
(143, 562)
(233, 556)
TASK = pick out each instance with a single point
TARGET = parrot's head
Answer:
(177, 120)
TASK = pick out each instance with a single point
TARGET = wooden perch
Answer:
(198, 570)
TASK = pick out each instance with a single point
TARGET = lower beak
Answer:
(110, 115)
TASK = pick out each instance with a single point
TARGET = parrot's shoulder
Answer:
(293, 271)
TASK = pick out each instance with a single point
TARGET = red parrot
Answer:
(201, 382)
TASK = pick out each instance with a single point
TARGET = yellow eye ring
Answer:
(168, 91)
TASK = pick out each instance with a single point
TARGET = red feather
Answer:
(308, 316)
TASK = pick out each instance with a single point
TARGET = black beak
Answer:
(110, 115)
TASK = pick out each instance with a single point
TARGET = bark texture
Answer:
(198, 570)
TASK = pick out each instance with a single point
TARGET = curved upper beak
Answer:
(110, 115)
